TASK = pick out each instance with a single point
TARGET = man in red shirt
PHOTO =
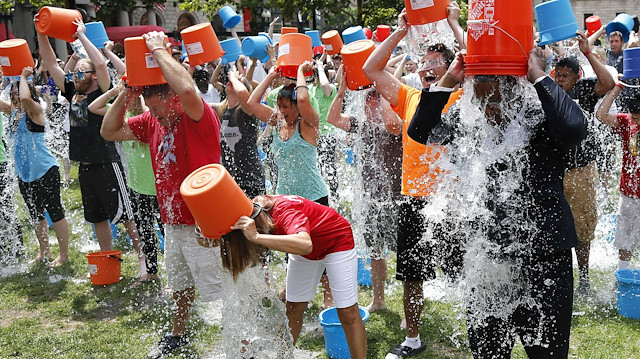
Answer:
(183, 134)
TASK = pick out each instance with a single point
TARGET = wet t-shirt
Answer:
(630, 176)
(584, 94)
(85, 142)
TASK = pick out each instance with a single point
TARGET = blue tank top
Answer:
(31, 155)
(298, 172)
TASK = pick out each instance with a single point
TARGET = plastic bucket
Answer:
(58, 22)
(364, 274)
(382, 32)
(288, 30)
(229, 17)
(593, 23)
(14, 56)
(214, 199)
(335, 341)
(628, 292)
(332, 42)
(142, 68)
(636, 23)
(425, 11)
(368, 33)
(354, 56)
(315, 37)
(354, 33)
(502, 49)
(256, 47)
(97, 34)
(231, 49)
(294, 49)
(623, 23)
(555, 21)
(104, 267)
(631, 63)
(201, 44)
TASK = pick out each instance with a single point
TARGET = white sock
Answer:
(412, 342)
(623, 265)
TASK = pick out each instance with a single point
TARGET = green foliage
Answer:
(381, 12)
(109, 8)
(8, 6)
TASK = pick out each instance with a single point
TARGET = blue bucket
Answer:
(629, 292)
(623, 23)
(556, 21)
(349, 157)
(335, 341)
(354, 33)
(631, 63)
(364, 274)
(97, 34)
(229, 17)
(231, 50)
(315, 37)
(256, 47)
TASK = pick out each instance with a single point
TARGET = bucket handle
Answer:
(629, 85)
(480, 21)
(115, 257)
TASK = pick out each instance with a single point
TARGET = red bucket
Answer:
(498, 43)
(593, 24)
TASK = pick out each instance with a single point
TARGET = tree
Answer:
(210, 8)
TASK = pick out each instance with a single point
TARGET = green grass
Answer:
(57, 313)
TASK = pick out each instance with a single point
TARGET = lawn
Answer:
(57, 313)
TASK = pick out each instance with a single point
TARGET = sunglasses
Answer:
(78, 74)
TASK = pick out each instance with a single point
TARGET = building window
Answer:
(185, 20)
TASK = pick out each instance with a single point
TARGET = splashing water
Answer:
(420, 37)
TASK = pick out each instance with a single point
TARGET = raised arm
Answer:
(241, 91)
(400, 68)
(335, 116)
(100, 65)
(392, 122)
(602, 113)
(114, 126)
(308, 114)
(453, 14)
(33, 107)
(596, 35)
(176, 75)
(99, 105)
(49, 58)
(117, 62)
(605, 80)
(272, 24)
(215, 78)
(326, 86)
(263, 112)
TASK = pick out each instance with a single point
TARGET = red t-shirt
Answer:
(329, 231)
(175, 153)
(630, 178)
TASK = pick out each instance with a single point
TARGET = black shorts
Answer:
(104, 192)
(42, 195)
(414, 255)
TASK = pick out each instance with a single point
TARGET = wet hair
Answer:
(288, 92)
(201, 75)
(570, 63)
(616, 33)
(634, 105)
(32, 90)
(447, 54)
(93, 67)
(156, 90)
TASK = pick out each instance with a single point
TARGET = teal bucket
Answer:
(556, 21)
(629, 292)
(364, 274)
(623, 23)
(229, 17)
(335, 341)
(97, 34)
(231, 49)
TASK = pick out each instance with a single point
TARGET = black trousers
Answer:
(145, 211)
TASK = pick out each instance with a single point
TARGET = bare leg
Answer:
(42, 233)
(328, 298)
(295, 310)
(413, 304)
(184, 299)
(378, 279)
(132, 230)
(62, 233)
(354, 331)
(103, 232)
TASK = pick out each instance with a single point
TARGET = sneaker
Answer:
(166, 345)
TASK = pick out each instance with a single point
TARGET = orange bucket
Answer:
(201, 44)
(58, 22)
(14, 56)
(142, 68)
(354, 56)
(425, 11)
(332, 42)
(288, 30)
(214, 199)
(293, 50)
(104, 267)
(593, 24)
(501, 48)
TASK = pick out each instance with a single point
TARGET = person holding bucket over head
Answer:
(36, 168)
(316, 238)
(177, 120)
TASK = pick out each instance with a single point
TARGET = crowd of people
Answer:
(427, 134)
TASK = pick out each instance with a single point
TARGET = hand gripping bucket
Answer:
(421, 12)
(214, 199)
(354, 55)
(231, 49)
(14, 56)
(498, 43)
(335, 341)
(628, 292)
(97, 34)
(332, 42)
(593, 23)
(623, 23)
(294, 49)
(104, 267)
(315, 37)
(354, 33)
(256, 47)
(142, 68)
(58, 22)
(631, 63)
(229, 17)
(288, 30)
(201, 44)
(556, 21)
(382, 32)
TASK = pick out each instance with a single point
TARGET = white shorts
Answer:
(189, 264)
(628, 227)
(303, 276)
